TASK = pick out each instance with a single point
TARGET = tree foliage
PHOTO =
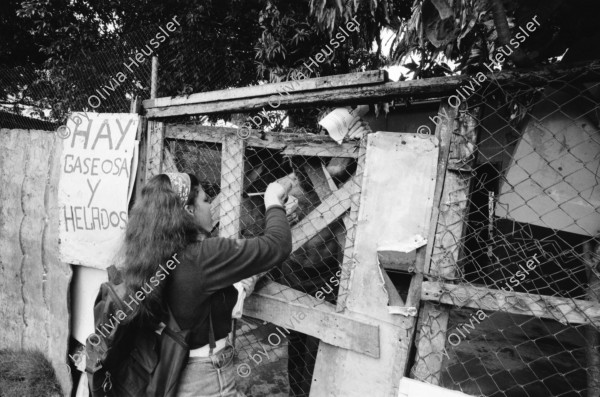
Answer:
(82, 45)
(292, 32)
(469, 32)
(56, 53)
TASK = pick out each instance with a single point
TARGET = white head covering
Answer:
(181, 184)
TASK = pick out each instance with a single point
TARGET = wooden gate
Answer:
(368, 336)
(361, 344)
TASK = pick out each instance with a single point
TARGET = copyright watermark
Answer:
(424, 130)
(275, 339)
(244, 370)
(63, 132)
(244, 132)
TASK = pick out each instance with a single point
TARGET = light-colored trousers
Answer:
(212, 376)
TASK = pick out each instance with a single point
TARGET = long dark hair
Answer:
(158, 227)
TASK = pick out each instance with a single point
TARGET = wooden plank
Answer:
(351, 223)
(290, 143)
(407, 201)
(443, 132)
(563, 310)
(324, 149)
(140, 177)
(398, 261)
(407, 198)
(318, 177)
(274, 89)
(215, 209)
(534, 190)
(215, 205)
(425, 88)
(431, 341)
(449, 215)
(232, 185)
(330, 182)
(277, 304)
(136, 105)
(209, 133)
(591, 255)
(154, 149)
(154, 77)
(328, 211)
(169, 164)
(325, 188)
(413, 299)
(413, 388)
(348, 225)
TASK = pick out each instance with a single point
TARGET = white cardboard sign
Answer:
(97, 170)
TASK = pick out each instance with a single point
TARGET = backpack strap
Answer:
(171, 322)
(211, 332)
(114, 275)
(233, 328)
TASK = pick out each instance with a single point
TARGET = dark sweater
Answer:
(204, 279)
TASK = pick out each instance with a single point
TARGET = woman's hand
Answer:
(358, 128)
(275, 194)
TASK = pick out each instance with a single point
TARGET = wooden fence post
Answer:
(154, 78)
(591, 253)
(154, 148)
(232, 184)
(446, 235)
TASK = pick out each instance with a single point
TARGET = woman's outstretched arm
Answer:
(227, 261)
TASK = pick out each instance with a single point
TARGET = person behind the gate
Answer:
(173, 216)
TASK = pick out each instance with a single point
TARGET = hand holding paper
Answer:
(342, 122)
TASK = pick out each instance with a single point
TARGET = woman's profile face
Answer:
(201, 211)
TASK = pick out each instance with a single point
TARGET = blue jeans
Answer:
(212, 376)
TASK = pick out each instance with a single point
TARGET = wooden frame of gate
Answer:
(350, 359)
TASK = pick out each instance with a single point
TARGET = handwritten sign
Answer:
(98, 165)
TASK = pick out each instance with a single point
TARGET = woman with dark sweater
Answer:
(173, 218)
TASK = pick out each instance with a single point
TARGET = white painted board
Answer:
(553, 180)
(395, 206)
(397, 191)
(414, 388)
(97, 170)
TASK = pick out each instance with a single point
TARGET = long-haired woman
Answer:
(173, 218)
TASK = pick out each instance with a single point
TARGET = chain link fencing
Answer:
(514, 261)
(516, 252)
(91, 80)
(109, 77)
(273, 360)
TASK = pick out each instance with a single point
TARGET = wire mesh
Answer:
(516, 249)
(110, 77)
(515, 254)
(318, 223)
(92, 80)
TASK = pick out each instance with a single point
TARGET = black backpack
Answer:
(126, 359)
